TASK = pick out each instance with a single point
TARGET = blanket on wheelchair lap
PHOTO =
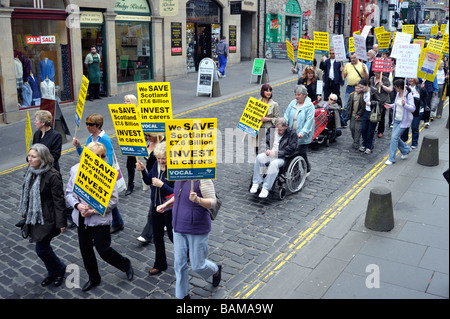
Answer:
(321, 121)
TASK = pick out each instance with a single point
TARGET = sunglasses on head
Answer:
(90, 124)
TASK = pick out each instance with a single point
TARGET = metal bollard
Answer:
(380, 213)
(429, 151)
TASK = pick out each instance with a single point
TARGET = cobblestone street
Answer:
(248, 233)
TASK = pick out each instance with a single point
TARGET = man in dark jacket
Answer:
(332, 76)
(281, 142)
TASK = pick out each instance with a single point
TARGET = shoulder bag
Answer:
(375, 115)
(121, 185)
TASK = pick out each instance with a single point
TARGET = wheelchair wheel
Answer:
(296, 174)
(282, 192)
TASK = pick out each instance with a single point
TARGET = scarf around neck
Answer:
(30, 207)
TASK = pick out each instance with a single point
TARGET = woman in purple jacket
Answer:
(403, 109)
(191, 223)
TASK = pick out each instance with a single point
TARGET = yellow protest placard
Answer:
(28, 132)
(305, 54)
(127, 124)
(81, 100)
(155, 105)
(191, 148)
(290, 52)
(250, 121)
(408, 28)
(384, 41)
(434, 30)
(379, 31)
(445, 40)
(95, 181)
(443, 28)
(321, 42)
(429, 64)
(357, 32)
(435, 45)
(351, 45)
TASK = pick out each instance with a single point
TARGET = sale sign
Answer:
(43, 39)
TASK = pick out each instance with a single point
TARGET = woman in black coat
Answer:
(42, 207)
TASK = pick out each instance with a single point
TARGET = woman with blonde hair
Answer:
(94, 229)
(46, 135)
(161, 191)
(309, 80)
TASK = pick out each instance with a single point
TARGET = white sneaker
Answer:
(254, 188)
(403, 157)
(388, 162)
(142, 239)
(368, 151)
(413, 147)
(362, 149)
(264, 193)
(427, 125)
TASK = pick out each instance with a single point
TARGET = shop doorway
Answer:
(201, 43)
(93, 35)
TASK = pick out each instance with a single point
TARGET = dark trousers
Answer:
(367, 131)
(301, 150)
(94, 90)
(53, 264)
(131, 168)
(382, 123)
(159, 221)
(331, 87)
(100, 237)
(147, 232)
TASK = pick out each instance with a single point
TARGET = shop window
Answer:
(41, 60)
(39, 4)
(133, 51)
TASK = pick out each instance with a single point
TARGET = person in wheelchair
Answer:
(333, 107)
(281, 142)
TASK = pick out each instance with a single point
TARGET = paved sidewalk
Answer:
(342, 255)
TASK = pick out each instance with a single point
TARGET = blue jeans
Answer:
(53, 264)
(396, 142)
(223, 63)
(368, 131)
(348, 91)
(117, 221)
(272, 171)
(197, 245)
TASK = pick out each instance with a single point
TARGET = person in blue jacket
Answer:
(300, 116)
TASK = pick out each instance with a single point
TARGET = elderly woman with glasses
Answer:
(300, 116)
(94, 124)
(331, 105)
(94, 229)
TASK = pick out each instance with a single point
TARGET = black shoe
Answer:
(90, 284)
(47, 281)
(217, 277)
(114, 230)
(91, 99)
(129, 191)
(60, 278)
(130, 272)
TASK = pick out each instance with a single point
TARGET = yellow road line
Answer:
(316, 225)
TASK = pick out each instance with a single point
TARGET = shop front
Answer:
(133, 29)
(42, 64)
(203, 30)
(92, 34)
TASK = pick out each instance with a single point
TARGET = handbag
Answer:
(214, 211)
(121, 185)
(375, 115)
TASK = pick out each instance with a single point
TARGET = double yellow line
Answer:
(307, 235)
